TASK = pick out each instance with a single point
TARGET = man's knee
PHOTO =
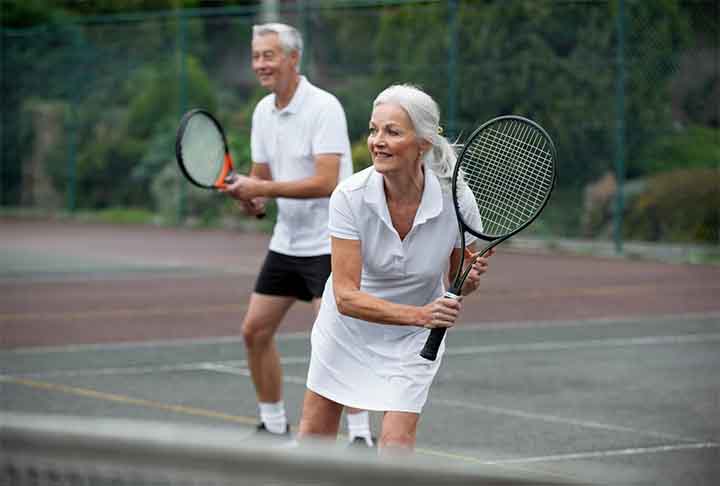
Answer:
(255, 334)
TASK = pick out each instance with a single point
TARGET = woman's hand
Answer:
(472, 282)
(442, 312)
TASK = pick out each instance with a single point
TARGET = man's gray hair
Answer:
(290, 38)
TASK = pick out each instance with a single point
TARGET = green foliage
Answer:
(154, 89)
(118, 79)
(680, 205)
(693, 147)
(361, 155)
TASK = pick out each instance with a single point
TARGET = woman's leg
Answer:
(399, 430)
(320, 417)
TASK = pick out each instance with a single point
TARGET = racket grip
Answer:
(260, 216)
(434, 340)
(432, 345)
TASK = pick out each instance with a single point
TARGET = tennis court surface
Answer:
(566, 368)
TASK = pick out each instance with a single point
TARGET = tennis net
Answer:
(61, 450)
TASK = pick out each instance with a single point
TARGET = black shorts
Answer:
(290, 276)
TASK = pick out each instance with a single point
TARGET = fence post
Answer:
(452, 67)
(620, 128)
(182, 105)
(73, 126)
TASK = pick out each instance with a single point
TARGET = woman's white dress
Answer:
(375, 366)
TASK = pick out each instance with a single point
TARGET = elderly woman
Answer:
(394, 238)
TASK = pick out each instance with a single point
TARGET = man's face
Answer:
(273, 67)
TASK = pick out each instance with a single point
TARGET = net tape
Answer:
(61, 450)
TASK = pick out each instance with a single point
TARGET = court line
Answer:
(124, 399)
(606, 453)
(557, 419)
(305, 335)
(300, 380)
(454, 351)
(200, 412)
(584, 344)
(122, 312)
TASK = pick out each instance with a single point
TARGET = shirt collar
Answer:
(431, 203)
(295, 102)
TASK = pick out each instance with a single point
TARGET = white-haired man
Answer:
(300, 151)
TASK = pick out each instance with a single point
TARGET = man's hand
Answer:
(243, 188)
(253, 207)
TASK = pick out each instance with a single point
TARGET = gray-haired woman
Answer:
(394, 238)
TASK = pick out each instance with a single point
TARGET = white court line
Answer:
(543, 324)
(556, 419)
(606, 453)
(588, 343)
(453, 351)
(305, 335)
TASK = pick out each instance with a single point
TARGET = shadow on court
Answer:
(597, 369)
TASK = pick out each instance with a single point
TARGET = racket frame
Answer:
(432, 345)
(227, 172)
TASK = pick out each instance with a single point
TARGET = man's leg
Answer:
(264, 315)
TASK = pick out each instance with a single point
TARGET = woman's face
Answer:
(392, 141)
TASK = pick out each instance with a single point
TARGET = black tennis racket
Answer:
(202, 151)
(510, 165)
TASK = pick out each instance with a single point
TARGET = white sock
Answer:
(273, 416)
(359, 426)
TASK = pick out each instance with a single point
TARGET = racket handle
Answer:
(260, 216)
(434, 340)
(432, 345)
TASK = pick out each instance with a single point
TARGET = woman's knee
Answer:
(397, 439)
(399, 430)
(320, 416)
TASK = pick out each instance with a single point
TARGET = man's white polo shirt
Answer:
(288, 141)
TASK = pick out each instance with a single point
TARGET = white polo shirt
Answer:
(288, 140)
(377, 366)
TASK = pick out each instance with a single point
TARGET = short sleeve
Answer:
(257, 147)
(471, 215)
(330, 135)
(342, 222)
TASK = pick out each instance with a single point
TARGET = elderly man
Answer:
(300, 151)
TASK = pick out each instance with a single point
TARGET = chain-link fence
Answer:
(629, 90)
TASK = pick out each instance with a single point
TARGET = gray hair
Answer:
(290, 38)
(425, 117)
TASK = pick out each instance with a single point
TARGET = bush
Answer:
(360, 155)
(678, 206)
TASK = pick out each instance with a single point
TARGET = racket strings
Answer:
(203, 149)
(509, 169)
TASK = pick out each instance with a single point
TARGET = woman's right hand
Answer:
(442, 312)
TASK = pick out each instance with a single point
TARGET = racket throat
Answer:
(452, 293)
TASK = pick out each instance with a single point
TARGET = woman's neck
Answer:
(404, 188)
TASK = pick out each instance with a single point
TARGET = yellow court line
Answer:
(113, 397)
(123, 312)
(201, 412)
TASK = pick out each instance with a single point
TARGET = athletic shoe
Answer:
(262, 430)
(361, 441)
